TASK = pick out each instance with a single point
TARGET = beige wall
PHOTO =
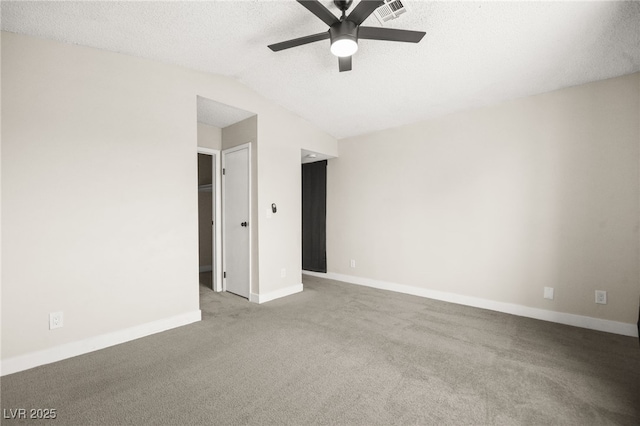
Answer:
(497, 203)
(242, 132)
(209, 136)
(99, 199)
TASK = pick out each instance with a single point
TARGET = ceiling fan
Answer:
(346, 31)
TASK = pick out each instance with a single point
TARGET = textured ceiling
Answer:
(474, 53)
(219, 115)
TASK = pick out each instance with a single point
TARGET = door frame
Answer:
(217, 214)
(247, 146)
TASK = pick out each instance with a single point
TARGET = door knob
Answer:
(244, 224)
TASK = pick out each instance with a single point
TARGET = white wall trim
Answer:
(509, 308)
(69, 350)
(209, 151)
(277, 294)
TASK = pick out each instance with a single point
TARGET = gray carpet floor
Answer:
(344, 354)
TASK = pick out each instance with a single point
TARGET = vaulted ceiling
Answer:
(474, 53)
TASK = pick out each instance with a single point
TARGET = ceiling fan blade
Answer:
(390, 34)
(299, 41)
(315, 7)
(344, 63)
(363, 10)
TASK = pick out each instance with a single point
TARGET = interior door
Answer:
(237, 229)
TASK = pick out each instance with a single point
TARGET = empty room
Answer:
(351, 212)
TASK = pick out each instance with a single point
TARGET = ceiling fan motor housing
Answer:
(343, 30)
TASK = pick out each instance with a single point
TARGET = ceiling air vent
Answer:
(391, 9)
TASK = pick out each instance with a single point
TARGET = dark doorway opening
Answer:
(314, 216)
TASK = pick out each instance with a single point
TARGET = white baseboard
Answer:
(509, 308)
(277, 294)
(69, 350)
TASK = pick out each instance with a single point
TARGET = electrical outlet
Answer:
(548, 293)
(601, 297)
(283, 272)
(352, 263)
(55, 320)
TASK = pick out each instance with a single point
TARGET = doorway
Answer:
(226, 137)
(314, 216)
(209, 227)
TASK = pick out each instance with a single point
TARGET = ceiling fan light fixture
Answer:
(344, 47)
(344, 38)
